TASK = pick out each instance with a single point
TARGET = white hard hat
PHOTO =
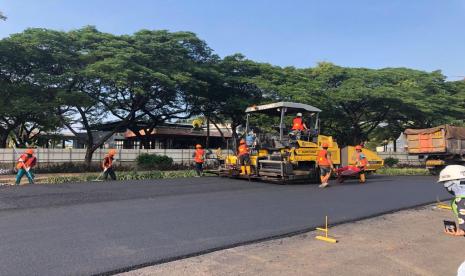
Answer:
(452, 172)
(299, 114)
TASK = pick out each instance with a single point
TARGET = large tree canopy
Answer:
(82, 78)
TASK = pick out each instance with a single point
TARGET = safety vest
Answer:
(361, 159)
(323, 158)
(108, 161)
(297, 124)
(198, 156)
(453, 204)
(26, 162)
(243, 150)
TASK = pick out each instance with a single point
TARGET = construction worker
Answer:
(244, 157)
(361, 162)
(199, 158)
(25, 163)
(326, 165)
(298, 124)
(107, 165)
(453, 179)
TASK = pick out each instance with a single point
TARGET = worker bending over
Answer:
(244, 157)
(361, 162)
(453, 179)
(107, 165)
(199, 158)
(325, 164)
(25, 163)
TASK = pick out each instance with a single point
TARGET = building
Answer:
(164, 136)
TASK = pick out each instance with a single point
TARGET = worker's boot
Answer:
(242, 170)
(362, 178)
(248, 170)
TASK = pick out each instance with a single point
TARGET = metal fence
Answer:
(404, 158)
(54, 156)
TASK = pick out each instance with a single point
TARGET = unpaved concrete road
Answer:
(91, 228)
(404, 243)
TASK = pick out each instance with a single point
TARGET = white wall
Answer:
(180, 156)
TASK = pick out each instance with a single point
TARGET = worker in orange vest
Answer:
(26, 162)
(243, 153)
(199, 158)
(326, 165)
(107, 165)
(361, 162)
(298, 124)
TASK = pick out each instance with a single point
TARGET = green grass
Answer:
(131, 175)
(402, 171)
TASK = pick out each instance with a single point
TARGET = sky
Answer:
(420, 34)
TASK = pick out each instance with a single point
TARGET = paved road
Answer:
(92, 228)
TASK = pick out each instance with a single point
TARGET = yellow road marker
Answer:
(326, 237)
(441, 205)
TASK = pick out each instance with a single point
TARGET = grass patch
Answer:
(131, 175)
(402, 171)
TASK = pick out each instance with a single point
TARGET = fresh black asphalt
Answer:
(93, 228)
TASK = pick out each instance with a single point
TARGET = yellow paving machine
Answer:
(283, 155)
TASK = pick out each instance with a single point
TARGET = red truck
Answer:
(439, 146)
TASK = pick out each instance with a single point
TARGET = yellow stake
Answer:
(441, 205)
(326, 238)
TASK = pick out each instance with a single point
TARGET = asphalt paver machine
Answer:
(281, 154)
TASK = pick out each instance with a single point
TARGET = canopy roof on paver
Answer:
(275, 108)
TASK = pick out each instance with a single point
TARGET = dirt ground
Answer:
(404, 243)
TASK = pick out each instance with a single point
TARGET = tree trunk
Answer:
(3, 140)
(207, 140)
(394, 142)
(89, 154)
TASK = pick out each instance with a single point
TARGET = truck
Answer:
(438, 146)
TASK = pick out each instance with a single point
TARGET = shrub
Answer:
(403, 171)
(153, 161)
(76, 167)
(391, 161)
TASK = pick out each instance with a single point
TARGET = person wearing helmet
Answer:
(107, 165)
(298, 124)
(25, 163)
(199, 158)
(325, 164)
(243, 153)
(361, 162)
(453, 179)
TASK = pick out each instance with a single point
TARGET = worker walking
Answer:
(244, 157)
(453, 179)
(25, 163)
(325, 164)
(361, 162)
(107, 165)
(199, 158)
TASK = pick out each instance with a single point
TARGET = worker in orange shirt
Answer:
(298, 124)
(325, 164)
(26, 162)
(243, 153)
(199, 158)
(107, 165)
(361, 162)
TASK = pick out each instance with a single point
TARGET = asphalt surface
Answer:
(93, 228)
